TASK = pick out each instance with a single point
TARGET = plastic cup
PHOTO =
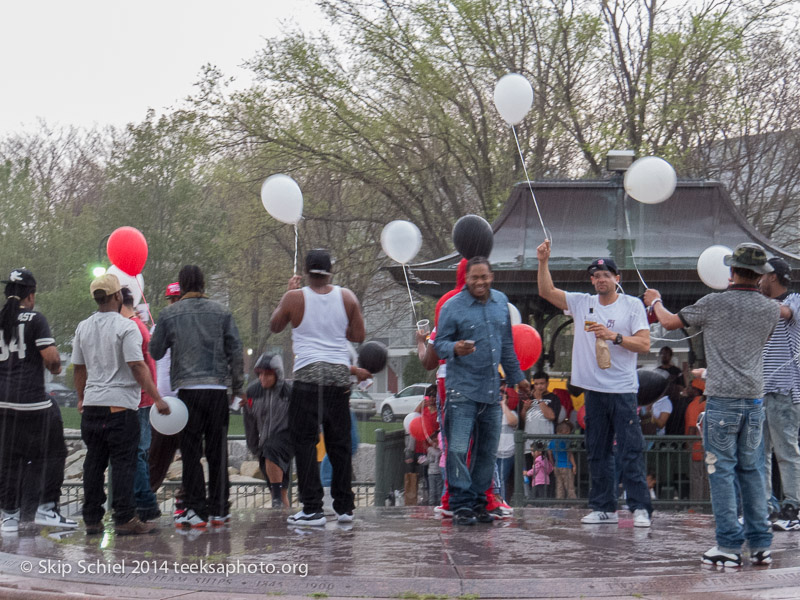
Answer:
(424, 326)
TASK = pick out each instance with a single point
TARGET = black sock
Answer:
(276, 488)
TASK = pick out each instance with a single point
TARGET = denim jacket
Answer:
(205, 344)
(475, 375)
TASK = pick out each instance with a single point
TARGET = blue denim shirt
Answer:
(475, 375)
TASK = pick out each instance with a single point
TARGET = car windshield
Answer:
(55, 386)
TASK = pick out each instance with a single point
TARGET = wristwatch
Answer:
(618, 339)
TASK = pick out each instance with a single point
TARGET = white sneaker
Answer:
(345, 517)
(641, 518)
(301, 518)
(598, 517)
(48, 515)
(441, 510)
(10, 522)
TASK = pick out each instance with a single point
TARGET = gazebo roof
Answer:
(587, 219)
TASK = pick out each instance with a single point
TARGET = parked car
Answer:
(403, 402)
(362, 404)
(62, 395)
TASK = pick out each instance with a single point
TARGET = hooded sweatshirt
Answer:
(266, 411)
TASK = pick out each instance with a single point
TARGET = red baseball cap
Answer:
(173, 289)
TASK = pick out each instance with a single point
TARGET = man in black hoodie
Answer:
(266, 425)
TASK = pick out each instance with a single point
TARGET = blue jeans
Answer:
(734, 445)
(467, 419)
(608, 415)
(145, 498)
(502, 472)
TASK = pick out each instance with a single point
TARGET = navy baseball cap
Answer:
(603, 264)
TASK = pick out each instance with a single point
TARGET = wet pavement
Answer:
(394, 553)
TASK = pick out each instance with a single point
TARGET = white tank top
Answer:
(322, 334)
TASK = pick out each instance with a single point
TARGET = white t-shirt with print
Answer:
(626, 315)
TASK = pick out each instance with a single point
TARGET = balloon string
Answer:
(630, 237)
(146, 303)
(414, 310)
(530, 187)
(295, 248)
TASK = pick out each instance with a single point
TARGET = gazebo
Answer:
(587, 219)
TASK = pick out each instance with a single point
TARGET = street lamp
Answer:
(100, 270)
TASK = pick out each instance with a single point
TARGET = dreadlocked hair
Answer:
(191, 279)
(15, 293)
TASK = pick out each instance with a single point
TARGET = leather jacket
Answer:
(205, 344)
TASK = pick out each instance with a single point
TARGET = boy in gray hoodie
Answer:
(266, 425)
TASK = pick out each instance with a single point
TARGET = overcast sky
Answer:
(105, 62)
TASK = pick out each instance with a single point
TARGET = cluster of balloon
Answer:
(527, 345)
(127, 251)
(652, 385)
(711, 267)
(172, 423)
(372, 356)
(513, 97)
(473, 236)
(401, 241)
(650, 180)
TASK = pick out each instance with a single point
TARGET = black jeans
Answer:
(208, 423)
(32, 450)
(109, 436)
(304, 420)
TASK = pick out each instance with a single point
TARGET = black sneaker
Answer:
(149, 514)
(483, 516)
(787, 519)
(304, 519)
(762, 557)
(464, 516)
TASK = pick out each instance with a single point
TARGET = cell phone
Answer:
(469, 343)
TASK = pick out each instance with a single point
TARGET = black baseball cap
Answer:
(781, 269)
(603, 264)
(21, 277)
(318, 262)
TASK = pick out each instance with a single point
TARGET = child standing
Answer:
(565, 467)
(540, 473)
(434, 472)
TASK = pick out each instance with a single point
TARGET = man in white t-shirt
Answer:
(621, 322)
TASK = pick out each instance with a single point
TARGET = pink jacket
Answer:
(542, 468)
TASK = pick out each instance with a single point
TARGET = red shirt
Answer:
(151, 364)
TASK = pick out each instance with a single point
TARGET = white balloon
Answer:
(711, 268)
(172, 423)
(282, 198)
(401, 240)
(134, 284)
(407, 421)
(513, 97)
(514, 314)
(650, 180)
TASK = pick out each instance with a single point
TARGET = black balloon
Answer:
(472, 236)
(652, 385)
(372, 356)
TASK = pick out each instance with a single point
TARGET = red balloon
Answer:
(527, 345)
(582, 417)
(127, 249)
(417, 429)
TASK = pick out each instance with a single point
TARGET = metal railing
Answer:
(667, 458)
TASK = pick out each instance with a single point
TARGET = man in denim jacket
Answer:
(206, 360)
(736, 325)
(474, 336)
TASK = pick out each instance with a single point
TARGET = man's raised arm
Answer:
(547, 290)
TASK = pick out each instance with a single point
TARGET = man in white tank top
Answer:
(324, 318)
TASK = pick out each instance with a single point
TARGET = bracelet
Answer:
(653, 303)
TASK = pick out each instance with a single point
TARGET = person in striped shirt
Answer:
(782, 397)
